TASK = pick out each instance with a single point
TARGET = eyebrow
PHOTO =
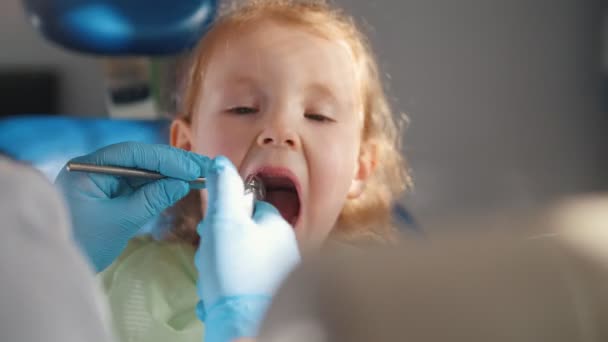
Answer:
(322, 90)
(245, 80)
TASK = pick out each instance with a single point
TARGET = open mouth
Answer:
(282, 192)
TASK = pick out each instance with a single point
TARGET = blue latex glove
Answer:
(241, 259)
(107, 211)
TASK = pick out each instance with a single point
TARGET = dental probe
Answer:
(122, 171)
(253, 184)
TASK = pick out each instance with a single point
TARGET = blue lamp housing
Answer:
(120, 28)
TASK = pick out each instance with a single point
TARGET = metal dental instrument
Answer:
(253, 184)
(122, 171)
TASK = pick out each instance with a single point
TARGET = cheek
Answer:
(215, 136)
(335, 157)
(334, 169)
(332, 164)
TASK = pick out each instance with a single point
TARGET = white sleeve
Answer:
(48, 291)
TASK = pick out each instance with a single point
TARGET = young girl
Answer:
(289, 91)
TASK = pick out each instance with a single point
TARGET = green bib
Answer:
(151, 290)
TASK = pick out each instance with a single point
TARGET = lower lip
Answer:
(295, 225)
(299, 216)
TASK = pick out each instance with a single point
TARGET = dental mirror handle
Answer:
(123, 172)
(254, 187)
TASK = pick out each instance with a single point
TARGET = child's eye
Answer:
(318, 117)
(243, 110)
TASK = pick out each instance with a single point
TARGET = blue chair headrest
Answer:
(48, 142)
(122, 27)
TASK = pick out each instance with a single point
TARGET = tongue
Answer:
(286, 202)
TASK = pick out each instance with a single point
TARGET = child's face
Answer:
(283, 103)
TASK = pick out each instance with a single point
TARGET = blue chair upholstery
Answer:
(48, 142)
(120, 27)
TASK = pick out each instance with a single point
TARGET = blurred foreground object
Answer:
(545, 280)
(47, 291)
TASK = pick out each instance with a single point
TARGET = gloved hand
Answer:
(241, 259)
(107, 211)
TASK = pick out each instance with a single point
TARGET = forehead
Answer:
(282, 53)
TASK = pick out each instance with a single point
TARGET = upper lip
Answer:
(278, 171)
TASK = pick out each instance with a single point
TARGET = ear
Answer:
(366, 165)
(181, 134)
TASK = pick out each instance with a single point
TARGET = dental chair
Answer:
(106, 28)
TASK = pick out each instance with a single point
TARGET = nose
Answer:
(279, 134)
